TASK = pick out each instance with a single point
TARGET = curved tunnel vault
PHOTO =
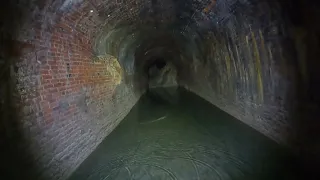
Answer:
(72, 69)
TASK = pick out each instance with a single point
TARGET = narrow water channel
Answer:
(183, 137)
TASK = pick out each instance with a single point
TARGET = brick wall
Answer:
(65, 95)
(67, 98)
(70, 103)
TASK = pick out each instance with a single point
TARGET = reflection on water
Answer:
(184, 139)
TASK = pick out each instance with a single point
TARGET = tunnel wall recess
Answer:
(73, 69)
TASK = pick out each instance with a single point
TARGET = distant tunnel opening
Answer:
(159, 63)
(156, 64)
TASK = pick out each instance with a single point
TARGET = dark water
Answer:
(184, 137)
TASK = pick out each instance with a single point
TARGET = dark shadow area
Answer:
(16, 159)
(160, 63)
(304, 35)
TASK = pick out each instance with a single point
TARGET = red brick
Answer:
(46, 76)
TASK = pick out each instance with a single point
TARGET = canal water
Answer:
(177, 135)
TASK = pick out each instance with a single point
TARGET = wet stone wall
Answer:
(243, 62)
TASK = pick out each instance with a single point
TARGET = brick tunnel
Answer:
(159, 89)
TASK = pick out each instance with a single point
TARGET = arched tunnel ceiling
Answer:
(96, 16)
(114, 23)
(233, 41)
(188, 23)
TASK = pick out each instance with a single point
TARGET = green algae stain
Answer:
(299, 39)
(239, 65)
(250, 67)
(228, 64)
(270, 53)
(262, 41)
(258, 67)
(229, 77)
